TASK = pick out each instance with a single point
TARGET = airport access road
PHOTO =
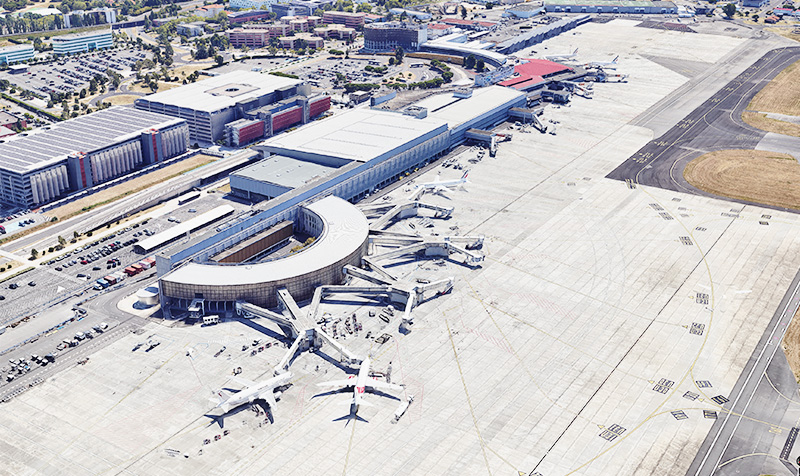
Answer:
(715, 125)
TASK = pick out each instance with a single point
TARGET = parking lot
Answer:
(324, 74)
(76, 272)
(73, 74)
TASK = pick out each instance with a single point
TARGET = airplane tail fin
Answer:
(615, 60)
(220, 400)
(575, 52)
(466, 174)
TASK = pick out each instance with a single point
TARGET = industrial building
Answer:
(82, 42)
(610, 6)
(208, 105)
(389, 36)
(15, 54)
(195, 28)
(42, 165)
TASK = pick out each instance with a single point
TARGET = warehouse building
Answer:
(208, 105)
(40, 166)
(15, 54)
(389, 36)
(82, 42)
(611, 6)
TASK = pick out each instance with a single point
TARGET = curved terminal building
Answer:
(340, 233)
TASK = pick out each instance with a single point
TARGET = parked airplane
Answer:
(360, 383)
(252, 391)
(604, 64)
(561, 57)
(442, 185)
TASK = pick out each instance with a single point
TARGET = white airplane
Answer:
(561, 57)
(604, 64)
(252, 391)
(360, 383)
(442, 185)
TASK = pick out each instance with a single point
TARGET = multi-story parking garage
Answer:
(40, 166)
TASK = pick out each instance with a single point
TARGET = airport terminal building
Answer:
(42, 165)
(307, 177)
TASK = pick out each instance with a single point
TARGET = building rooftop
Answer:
(220, 92)
(534, 71)
(188, 226)
(359, 134)
(610, 3)
(40, 147)
(8, 49)
(285, 171)
(75, 36)
(457, 110)
(345, 229)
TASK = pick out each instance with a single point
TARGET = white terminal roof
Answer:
(48, 145)
(186, 227)
(345, 229)
(220, 92)
(359, 134)
(455, 111)
(285, 171)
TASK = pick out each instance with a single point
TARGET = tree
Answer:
(219, 59)
(755, 18)
(34, 253)
(480, 65)
(469, 63)
(61, 240)
(83, 93)
(729, 10)
(398, 55)
(463, 12)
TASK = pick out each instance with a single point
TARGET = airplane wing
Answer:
(375, 383)
(243, 381)
(269, 397)
(338, 383)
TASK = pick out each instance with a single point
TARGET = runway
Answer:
(714, 125)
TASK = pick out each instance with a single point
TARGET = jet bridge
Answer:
(409, 208)
(438, 247)
(290, 327)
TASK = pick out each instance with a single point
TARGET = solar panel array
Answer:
(83, 134)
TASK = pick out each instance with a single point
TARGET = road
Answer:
(714, 125)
